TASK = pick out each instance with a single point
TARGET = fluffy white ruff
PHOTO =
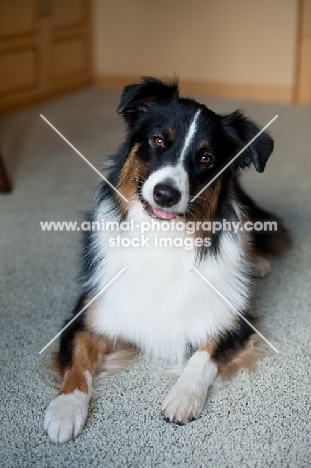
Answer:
(66, 415)
(187, 397)
(158, 304)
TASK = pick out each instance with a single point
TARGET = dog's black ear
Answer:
(138, 98)
(241, 131)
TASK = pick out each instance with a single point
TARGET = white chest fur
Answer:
(158, 303)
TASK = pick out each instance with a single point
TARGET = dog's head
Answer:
(175, 146)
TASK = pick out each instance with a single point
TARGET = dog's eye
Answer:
(207, 159)
(158, 140)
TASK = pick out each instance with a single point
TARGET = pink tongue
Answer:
(164, 214)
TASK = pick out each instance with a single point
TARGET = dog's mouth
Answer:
(159, 213)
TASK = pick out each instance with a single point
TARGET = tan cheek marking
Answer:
(133, 170)
(129, 174)
(210, 200)
(205, 208)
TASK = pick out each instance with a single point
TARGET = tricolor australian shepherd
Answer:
(160, 305)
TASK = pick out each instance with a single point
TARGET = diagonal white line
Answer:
(234, 158)
(84, 158)
(235, 310)
(85, 307)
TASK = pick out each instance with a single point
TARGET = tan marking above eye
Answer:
(203, 145)
(171, 133)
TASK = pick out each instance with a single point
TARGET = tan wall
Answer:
(215, 42)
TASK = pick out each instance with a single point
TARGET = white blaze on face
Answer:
(175, 173)
(190, 135)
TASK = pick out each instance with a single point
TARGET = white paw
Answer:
(183, 405)
(186, 399)
(65, 416)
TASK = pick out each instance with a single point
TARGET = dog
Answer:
(159, 305)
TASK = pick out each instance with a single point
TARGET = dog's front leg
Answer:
(187, 397)
(66, 414)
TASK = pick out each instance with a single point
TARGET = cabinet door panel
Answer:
(18, 70)
(18, 17)
(70, 44)
(20, 49)
(68, 58)
(45, 49)
(68, 14)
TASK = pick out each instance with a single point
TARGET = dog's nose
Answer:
(165, 195)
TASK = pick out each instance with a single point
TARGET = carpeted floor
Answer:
(256, 420)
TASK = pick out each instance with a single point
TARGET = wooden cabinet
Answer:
(45, 49)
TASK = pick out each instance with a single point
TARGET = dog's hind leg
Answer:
(260, 263)
(272, 239)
